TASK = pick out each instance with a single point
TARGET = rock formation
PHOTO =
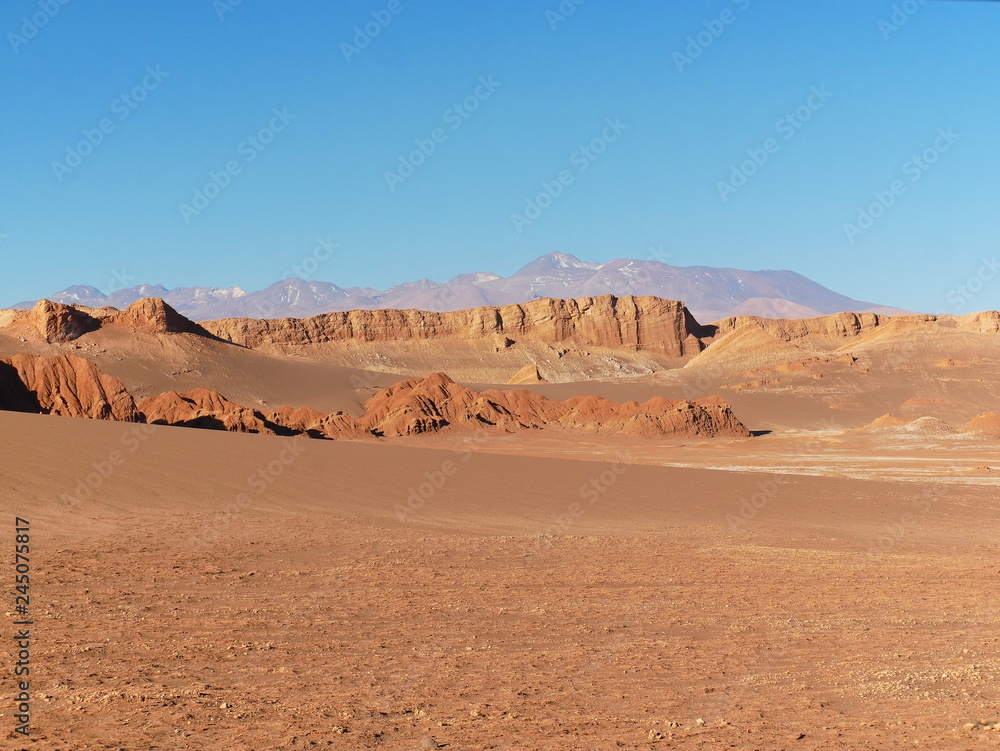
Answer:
(986, 424)
(638, 323)
(436, 402)
(921, 426)
(152, 315)
(57, 323)
(65, 385)
(60, 323)
(202, 408)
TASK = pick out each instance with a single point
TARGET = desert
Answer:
(737, 548)
(380, 375)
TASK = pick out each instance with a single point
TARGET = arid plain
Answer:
(580, 524)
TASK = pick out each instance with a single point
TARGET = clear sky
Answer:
(309, 125)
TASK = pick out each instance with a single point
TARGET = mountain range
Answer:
(709, 293)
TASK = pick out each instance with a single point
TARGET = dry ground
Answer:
(846, 612)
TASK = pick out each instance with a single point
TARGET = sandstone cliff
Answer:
(638, 323)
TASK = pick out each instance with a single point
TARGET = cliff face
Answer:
(838, 325)
(640, 323)
(64, 385)
(847, 325)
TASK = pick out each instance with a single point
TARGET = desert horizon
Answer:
(644, 543)
(560, 376)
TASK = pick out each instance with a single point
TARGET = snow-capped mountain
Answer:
(710, 293)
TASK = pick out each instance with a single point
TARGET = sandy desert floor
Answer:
(537, 599)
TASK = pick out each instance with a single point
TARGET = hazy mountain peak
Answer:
(555, 261)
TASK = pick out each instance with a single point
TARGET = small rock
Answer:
(699, 722)
(429, 742)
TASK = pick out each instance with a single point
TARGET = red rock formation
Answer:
(437, 402)
(646, 323)
(70, 386)
(60, 323)
(153, 316)
(202, 408)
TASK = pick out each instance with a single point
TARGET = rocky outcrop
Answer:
(850, 325)
(921, 426)
(152, 316)
(836, 326)
(437, 402)
(60, 323)
(887, 421)
(203, 408)
(986, 322)
(64, 385)
(639, 323)
(57, 323)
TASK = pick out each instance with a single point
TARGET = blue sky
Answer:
(304, 133)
